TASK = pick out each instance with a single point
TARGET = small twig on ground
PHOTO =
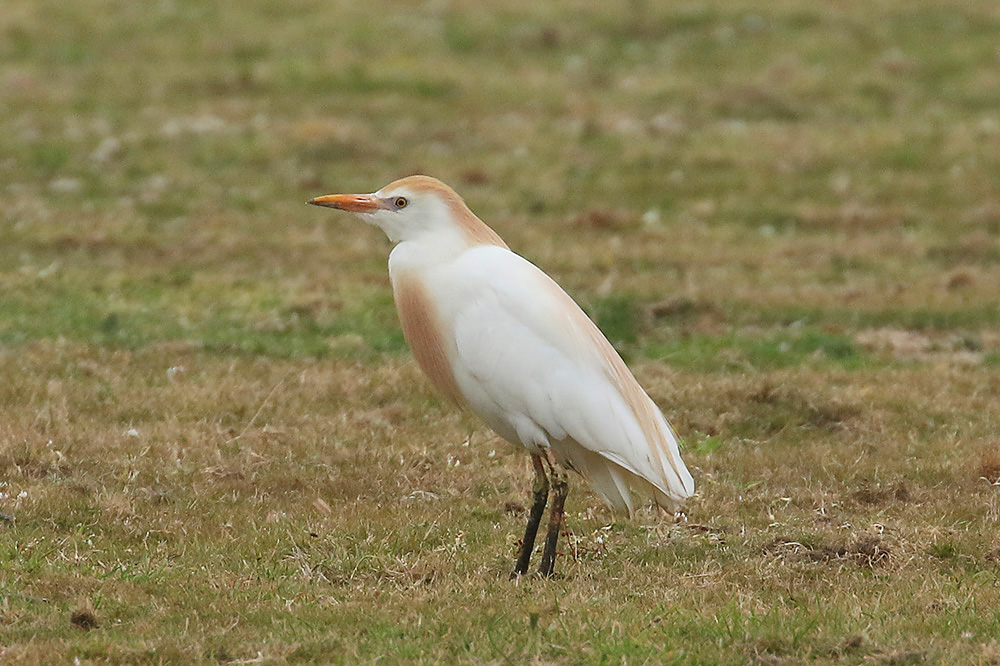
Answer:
(257, 413)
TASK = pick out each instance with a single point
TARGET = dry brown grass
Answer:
(350, 507)
(989, 464)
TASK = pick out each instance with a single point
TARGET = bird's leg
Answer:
(540, 495)
(560, 488)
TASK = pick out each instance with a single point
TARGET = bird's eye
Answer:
(400, 202)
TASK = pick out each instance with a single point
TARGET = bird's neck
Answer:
(442, 246)
(475, 230)
(423, 253)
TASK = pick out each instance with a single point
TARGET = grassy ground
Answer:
(217, 449)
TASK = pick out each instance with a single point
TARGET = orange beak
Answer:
(354, 203)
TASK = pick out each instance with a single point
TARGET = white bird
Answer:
(499, 337)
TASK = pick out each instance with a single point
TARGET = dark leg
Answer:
(560, 488)
(540, 495)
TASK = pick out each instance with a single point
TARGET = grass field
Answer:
(215, 447)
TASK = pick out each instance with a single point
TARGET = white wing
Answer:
(536, 369)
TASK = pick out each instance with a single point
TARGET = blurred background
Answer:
(749, 163)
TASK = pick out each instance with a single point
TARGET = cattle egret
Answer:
(499, 337)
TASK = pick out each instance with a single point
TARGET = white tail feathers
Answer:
(614, 483)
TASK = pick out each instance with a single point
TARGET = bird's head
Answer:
(412, 207)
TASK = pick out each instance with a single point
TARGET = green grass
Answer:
(148, 314)
(216, 448)
(781, 350)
